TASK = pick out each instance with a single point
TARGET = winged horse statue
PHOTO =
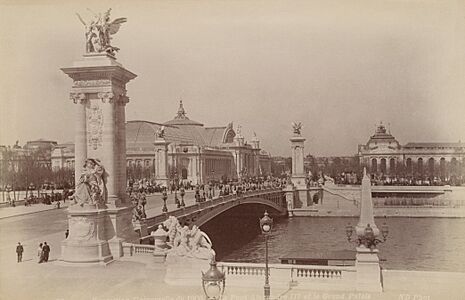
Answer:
(99, 31)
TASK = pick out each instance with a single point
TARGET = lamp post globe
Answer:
(213, 282)
(182, 193)
(164, 197)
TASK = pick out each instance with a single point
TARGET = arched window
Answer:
(409, 166)
(431, 166)
(420, 166)
(184, 173)
(442, 168)
(383, 165)
(374, 165)
(392, 166)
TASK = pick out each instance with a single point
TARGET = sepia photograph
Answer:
(232, 149)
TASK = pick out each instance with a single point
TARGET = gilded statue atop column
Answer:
(297, 128)
(99, 31)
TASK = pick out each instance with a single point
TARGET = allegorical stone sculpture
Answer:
(187, 243)
(91, 188)
(297, 127)
(99, 31)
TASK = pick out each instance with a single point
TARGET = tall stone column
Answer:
(161, 162)
(110, 149)
(298, 172)
(80, 133)
(98, 230)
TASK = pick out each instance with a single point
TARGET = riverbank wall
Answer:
(388, 201)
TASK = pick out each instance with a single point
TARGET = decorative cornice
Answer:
(92, 83)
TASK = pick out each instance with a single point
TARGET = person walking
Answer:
(40, 253)
(46, 250)
(19, 252)
(66, 233)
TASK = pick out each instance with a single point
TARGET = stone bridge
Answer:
(202, 212)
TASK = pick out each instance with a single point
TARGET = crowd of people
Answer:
(353, 178)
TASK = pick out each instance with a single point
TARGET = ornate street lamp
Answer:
(182, 193)
(266, 224)
(176, 200)
(197, 193)
(164, 197)
(368, 239)
(213, 282)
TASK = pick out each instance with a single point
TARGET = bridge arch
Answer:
(218, 210)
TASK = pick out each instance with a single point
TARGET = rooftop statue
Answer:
(99, 31)
(160, 133)
(297, 127)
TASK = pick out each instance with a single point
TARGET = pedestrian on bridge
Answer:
(46, 250)
(19, 252)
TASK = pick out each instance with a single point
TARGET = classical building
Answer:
(384, 155)
(193, 152)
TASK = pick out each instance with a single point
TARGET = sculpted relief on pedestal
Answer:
(94, 125)
(81, 228)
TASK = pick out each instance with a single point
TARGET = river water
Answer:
(432, 244)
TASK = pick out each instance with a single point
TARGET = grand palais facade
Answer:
(194, 152)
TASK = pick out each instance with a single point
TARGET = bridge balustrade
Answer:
(133, 249)
(241, 274)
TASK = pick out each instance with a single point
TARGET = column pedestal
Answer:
(368, 270)
(289, 193)
(120, 229)
(86, 243)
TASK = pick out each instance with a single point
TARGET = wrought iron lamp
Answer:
(213, 282)
(368, 239)
(266, 224)
(182, 193)
(164, 197)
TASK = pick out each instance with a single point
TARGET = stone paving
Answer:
(20, 210)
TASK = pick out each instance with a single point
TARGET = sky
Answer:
(339, 67)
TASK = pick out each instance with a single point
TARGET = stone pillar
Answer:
(110, 149)
(298, 173)
(80, 133)
(289, 193)
(161, 162)
(99, 84)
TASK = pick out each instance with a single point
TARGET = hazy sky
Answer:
(339, 67)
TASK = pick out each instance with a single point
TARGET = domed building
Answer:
(186, 149)
(384, 155)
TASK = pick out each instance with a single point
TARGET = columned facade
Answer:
(384, 156)
(188, 150)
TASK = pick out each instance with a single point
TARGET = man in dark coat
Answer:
(19, 251)
(46, 250)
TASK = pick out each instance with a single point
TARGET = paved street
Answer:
(50, 225)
